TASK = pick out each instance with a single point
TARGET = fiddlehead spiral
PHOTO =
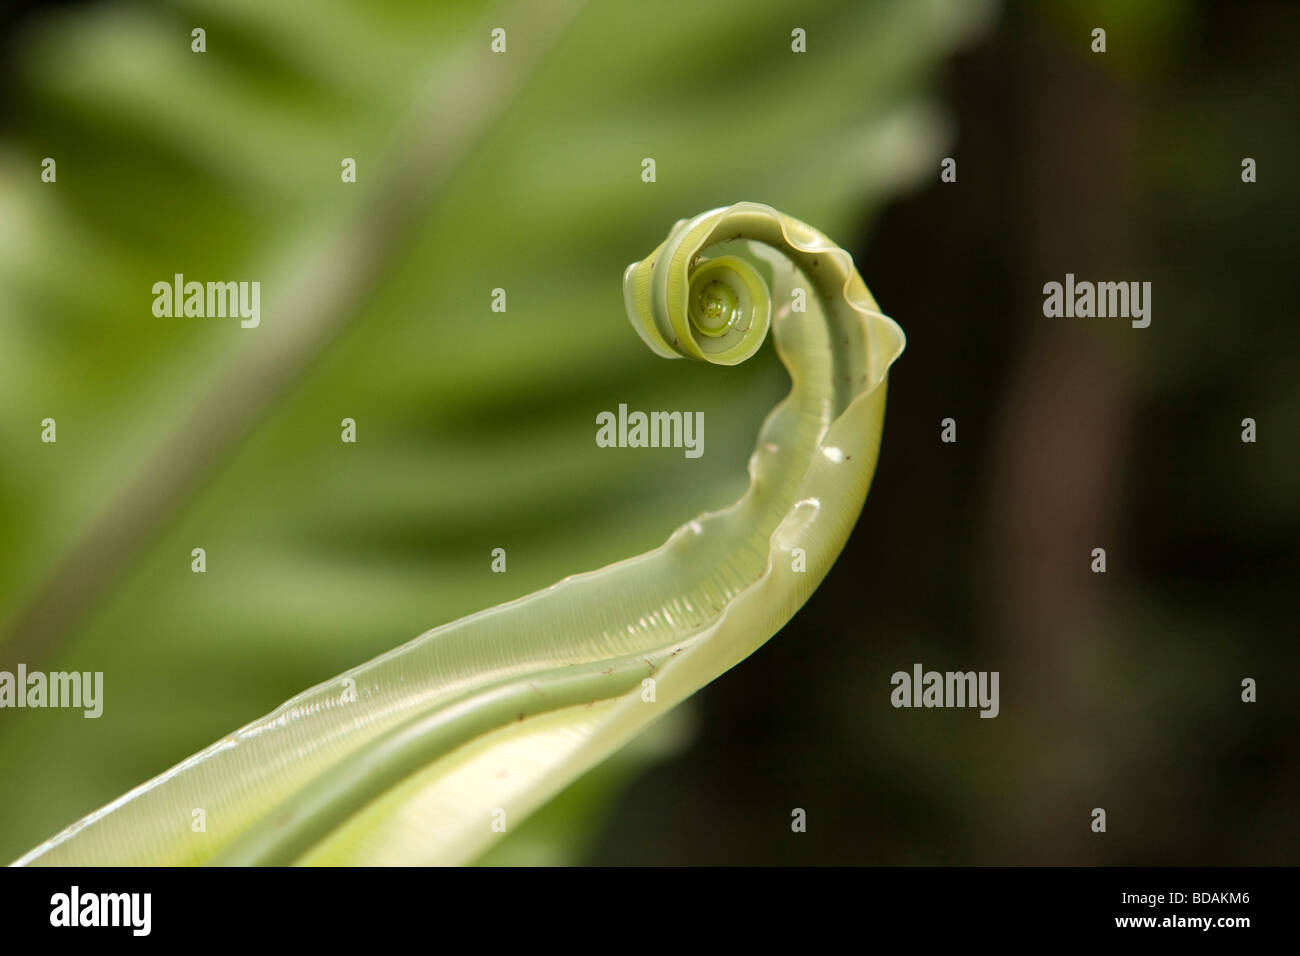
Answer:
(694, 297)
(715, 309)
(439, 731)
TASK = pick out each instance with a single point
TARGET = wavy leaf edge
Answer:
(311, 786)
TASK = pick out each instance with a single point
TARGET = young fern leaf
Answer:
(425, 753)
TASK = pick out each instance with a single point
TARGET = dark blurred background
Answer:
(1118, 690)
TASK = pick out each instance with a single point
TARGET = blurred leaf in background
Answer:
(475, 171)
